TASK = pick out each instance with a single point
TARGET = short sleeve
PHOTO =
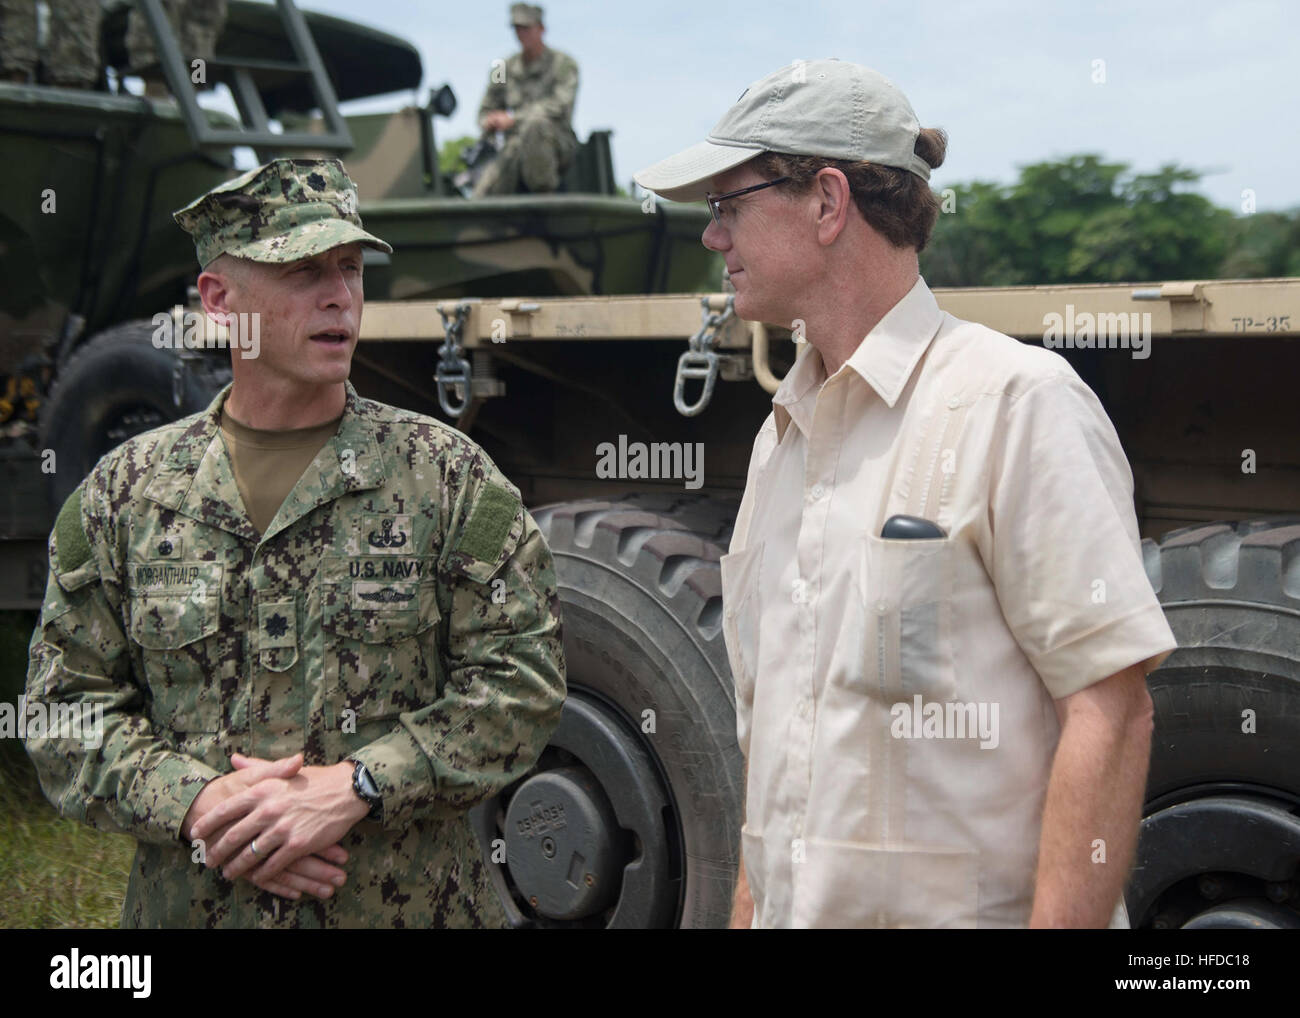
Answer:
(1064, 554)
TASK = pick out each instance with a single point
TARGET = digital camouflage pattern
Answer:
(72, 58)
(541, 144)
(279, 212)
(196, 23)
(400, 610)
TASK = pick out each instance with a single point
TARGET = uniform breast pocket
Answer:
(381, 645)
(741, 603)
(906, 592)
(177, 635)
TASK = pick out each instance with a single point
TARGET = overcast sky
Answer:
(1208, 85)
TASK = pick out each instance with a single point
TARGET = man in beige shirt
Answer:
(944, 718)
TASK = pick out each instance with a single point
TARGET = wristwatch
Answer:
(364, 785)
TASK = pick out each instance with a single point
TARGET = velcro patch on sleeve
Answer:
(73, 547)
(489, 524)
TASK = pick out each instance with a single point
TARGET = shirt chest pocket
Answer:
(381, 645)
(177, 633)
(906, 605)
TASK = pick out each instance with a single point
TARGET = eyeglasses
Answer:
(715, 200)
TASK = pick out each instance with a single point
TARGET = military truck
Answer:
(89, 251)
(1200, 398)
(624, 406)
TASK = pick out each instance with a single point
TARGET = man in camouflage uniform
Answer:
(72, 58)
(336, 683)
(530, 97)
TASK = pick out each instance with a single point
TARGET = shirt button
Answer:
(954, 403)
(803, 708)
(165, 548)
(881, 607)
(816, 492)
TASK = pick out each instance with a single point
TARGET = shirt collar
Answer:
(885, 359)
(197, 480)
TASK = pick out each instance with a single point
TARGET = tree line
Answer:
(1083, 220)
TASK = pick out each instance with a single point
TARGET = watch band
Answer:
(367, 791)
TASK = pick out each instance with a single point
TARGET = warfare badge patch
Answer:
(390, 596)
(383, 534)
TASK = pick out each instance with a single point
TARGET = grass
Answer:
(56, 873)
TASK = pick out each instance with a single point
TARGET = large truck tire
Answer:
(1220, 838)
(632, 817)
(117, 385)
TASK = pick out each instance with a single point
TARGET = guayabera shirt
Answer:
(895, 697)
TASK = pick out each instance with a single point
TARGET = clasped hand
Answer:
(296, 814)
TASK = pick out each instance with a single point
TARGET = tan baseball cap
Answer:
(279, 212)
(522, 15)
(829, 108)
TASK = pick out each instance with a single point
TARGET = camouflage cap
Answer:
(282, 211)
(522, 15)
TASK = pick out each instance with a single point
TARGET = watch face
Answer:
(367, 784)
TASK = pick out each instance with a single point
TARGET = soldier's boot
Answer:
(73, 57)
(142, 55)
(202, 23)
(201, 27)
(18, 40)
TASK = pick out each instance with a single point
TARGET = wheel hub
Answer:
(602, 813)
(560, 842)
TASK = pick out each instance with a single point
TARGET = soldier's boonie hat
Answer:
(522, 15)
(282, 211)
(829, 108)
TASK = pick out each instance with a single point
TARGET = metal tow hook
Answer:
(453, 369)
(701, 360)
